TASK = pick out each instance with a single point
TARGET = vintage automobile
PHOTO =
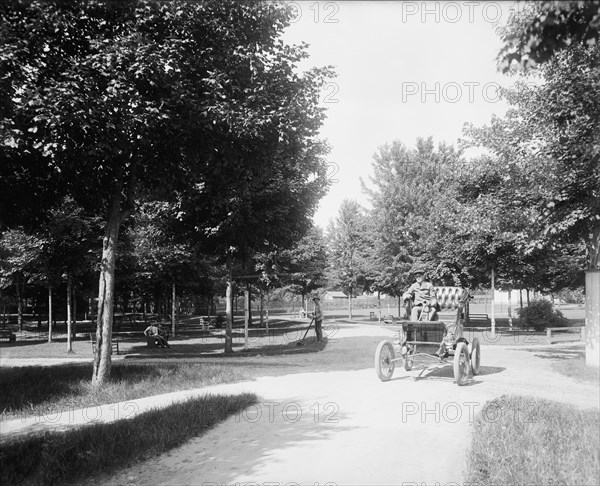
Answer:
(434, 341)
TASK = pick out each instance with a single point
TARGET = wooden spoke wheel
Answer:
(384, 360)
(461, 364)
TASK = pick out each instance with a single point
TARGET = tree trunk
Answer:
(229, 307)
(379, 307)
(246, 315)
(521, 299)
(267, 314)
(493, 312)
(173, 310)
(248, 300)
(262, 309)
(509, 310)
(49, 313)
(19, 302)
(38, 309)
(304, 304)
(527, 292)
(592, 317)
(106, 289)
(69, 316)
(350, 304)
(74, 326)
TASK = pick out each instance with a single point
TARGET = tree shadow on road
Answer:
(266, 433)
(558, 352)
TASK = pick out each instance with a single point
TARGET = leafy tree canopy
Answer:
(540, 29)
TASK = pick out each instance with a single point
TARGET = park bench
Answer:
(206, 323)
(8, 334)
(479, 320)
(114, 344)
(580, 330)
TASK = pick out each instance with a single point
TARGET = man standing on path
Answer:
(318, 317)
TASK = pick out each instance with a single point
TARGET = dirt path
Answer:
(327, 419)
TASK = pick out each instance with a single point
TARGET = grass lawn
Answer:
(524, 440)
(39, 390)
(59, 458)
(576, 368)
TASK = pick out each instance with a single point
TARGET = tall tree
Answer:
(306, 264)
(20, 254)
(70, 249)
(348, 250)
(407, 186)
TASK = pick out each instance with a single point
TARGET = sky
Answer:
(404, 70)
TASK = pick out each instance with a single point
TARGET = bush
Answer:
(540, 314)
(572, 296)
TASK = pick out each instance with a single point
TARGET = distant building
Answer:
(333, 295)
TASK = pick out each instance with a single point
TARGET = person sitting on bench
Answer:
(422, 293)
(153, 332)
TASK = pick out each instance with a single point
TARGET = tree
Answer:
(161, 255)
(306, 263)
(542, 29)
(347, 245)
(268, 174)
(407, 189)
(69, 253)
(19, 262)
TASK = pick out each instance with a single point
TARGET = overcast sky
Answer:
(405, 69)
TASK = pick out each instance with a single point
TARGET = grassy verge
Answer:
(56, 458)
(521, 440)
(576, 368)
(39, 390)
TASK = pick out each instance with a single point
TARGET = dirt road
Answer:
(328, 425)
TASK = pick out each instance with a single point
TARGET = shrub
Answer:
(573, 296)
(540, 314)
